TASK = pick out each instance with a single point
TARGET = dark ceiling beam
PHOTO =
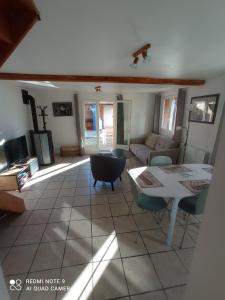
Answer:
(100, 79)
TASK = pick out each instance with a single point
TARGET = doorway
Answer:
(106, 125)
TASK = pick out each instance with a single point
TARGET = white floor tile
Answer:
(45, 203)
(19, 259)
(102, 226)
(60, 214)
(140, 274)
(159, 295)
(63, 201)
(30, 234)
(79, 229)
(109, 280)
(77, 252)
(169, 268)
(155, 240)
(100, 211)
(131, 244)
(105, 248)
(48, 256)
(124, 224)
(55, 232)
(80, 213)
(119, 209)
(176, 293)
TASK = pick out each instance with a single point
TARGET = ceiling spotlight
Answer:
(98, 89)
(143, 51)
(146, 57)
(134, 63)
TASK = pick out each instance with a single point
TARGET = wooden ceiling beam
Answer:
(16, 20)
(100, 79)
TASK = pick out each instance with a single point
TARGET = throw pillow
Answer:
(151, 140)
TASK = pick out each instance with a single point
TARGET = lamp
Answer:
(146, 57)
(190, 108)
(143, 51)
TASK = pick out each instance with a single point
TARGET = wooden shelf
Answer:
(10, 179)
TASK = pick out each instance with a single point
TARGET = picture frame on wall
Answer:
(205, 109)
(62, 109)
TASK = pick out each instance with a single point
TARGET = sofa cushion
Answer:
(141, 151)
(165, 143)
(151, 140)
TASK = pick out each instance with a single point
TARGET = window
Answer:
(169, 114)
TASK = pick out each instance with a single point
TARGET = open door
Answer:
(91, 127)
(123, 124)
(106, 126)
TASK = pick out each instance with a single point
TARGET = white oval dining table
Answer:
(171, 187)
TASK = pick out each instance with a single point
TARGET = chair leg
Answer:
(120, 178)
(185, 229)
(112, 186)
(95, 182)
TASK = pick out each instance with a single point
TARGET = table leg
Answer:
(173, 216)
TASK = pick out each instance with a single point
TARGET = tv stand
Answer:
(21, 162)
(15, 177)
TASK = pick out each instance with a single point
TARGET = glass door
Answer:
(106, 128)
(123, 124)
(106, 125)
(90, 127)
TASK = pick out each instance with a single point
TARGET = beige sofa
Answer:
(154, 145)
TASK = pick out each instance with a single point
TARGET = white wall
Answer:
(63, 128)
(206, 279)
(14, 115)
(142, 109)
(202, 136)
(142, 113)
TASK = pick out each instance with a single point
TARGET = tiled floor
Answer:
(83, 236)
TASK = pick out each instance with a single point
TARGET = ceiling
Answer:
(97, 37)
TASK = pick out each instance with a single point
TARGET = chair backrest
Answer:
(160, 161)
(106, 168)
(200, 202)
(150, 203)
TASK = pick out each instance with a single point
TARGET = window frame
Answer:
(166, 129)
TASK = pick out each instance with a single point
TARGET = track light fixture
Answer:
(143, 51)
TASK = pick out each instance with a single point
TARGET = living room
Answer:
(78, 236)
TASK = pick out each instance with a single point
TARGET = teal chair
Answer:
(193, 205)
(161, 161)
(150, 203)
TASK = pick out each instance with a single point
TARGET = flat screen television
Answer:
(3, 160)
(16, 150)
